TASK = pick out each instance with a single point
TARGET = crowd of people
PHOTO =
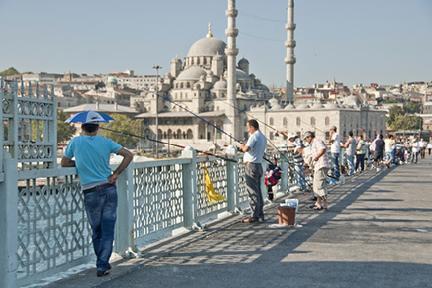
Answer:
(318, 163)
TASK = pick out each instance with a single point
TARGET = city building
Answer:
(350, 115)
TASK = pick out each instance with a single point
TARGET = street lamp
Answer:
(157, 67)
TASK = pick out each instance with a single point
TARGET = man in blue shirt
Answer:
(253, 157)
(92, 155)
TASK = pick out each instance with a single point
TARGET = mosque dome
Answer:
(192, 73)
(241, 75)
(220, 85)
(243, 61)
(207, 46)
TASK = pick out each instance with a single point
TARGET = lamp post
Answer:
(157, 67)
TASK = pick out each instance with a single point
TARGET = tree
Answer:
(123, 124)
(394, 112)
(406, 122)
(65, 131)
(412, 107)
(11, 71)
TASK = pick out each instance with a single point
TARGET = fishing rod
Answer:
(222, 131)
(166, 143)
(267, 125)
(268, 140)
(232, 137)
(199, 151)
(203, 119)
(247, 114)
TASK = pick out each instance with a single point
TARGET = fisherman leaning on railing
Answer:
(92, 154)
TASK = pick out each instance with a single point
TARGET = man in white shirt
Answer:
(335, 151)
(415, 146)
(350, 146)
(320, 165)
(253, 157)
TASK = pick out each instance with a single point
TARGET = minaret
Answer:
(290, 59)
(231, 51)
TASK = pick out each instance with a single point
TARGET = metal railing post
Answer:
(232, 184)
(285, 172)
(263, 186)
(124, 241)
(8, 224)
(190, 189)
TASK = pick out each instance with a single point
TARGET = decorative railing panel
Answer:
(217, 169)
(157, 198)
(243, 194)
(29, 124)
(52, 226)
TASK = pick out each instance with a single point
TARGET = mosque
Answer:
(199, 83)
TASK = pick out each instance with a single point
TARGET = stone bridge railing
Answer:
(44, 225)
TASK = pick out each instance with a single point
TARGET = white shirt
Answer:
(257, 144)
(415, 147)
(335, 146)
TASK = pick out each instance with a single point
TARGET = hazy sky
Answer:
(385, 41)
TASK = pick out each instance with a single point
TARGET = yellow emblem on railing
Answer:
(212, 195)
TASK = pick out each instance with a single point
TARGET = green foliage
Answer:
(64, 131)
(9, 72)
(406, 122)
(394, 112)
(123, 124)
(412, 107)
(400, 120)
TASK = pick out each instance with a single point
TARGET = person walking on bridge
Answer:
(253, 157)
(378, 148)
(350, 146)
(92, 155)
(335, 151)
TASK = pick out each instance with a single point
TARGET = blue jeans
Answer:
(101, 208)
(336, 172)
(300, 177)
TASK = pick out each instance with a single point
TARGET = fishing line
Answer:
(166, 143)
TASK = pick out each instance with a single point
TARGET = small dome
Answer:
(208, 46)
(243, 61)
(220, 85)
(192, 73)
(241, 75)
